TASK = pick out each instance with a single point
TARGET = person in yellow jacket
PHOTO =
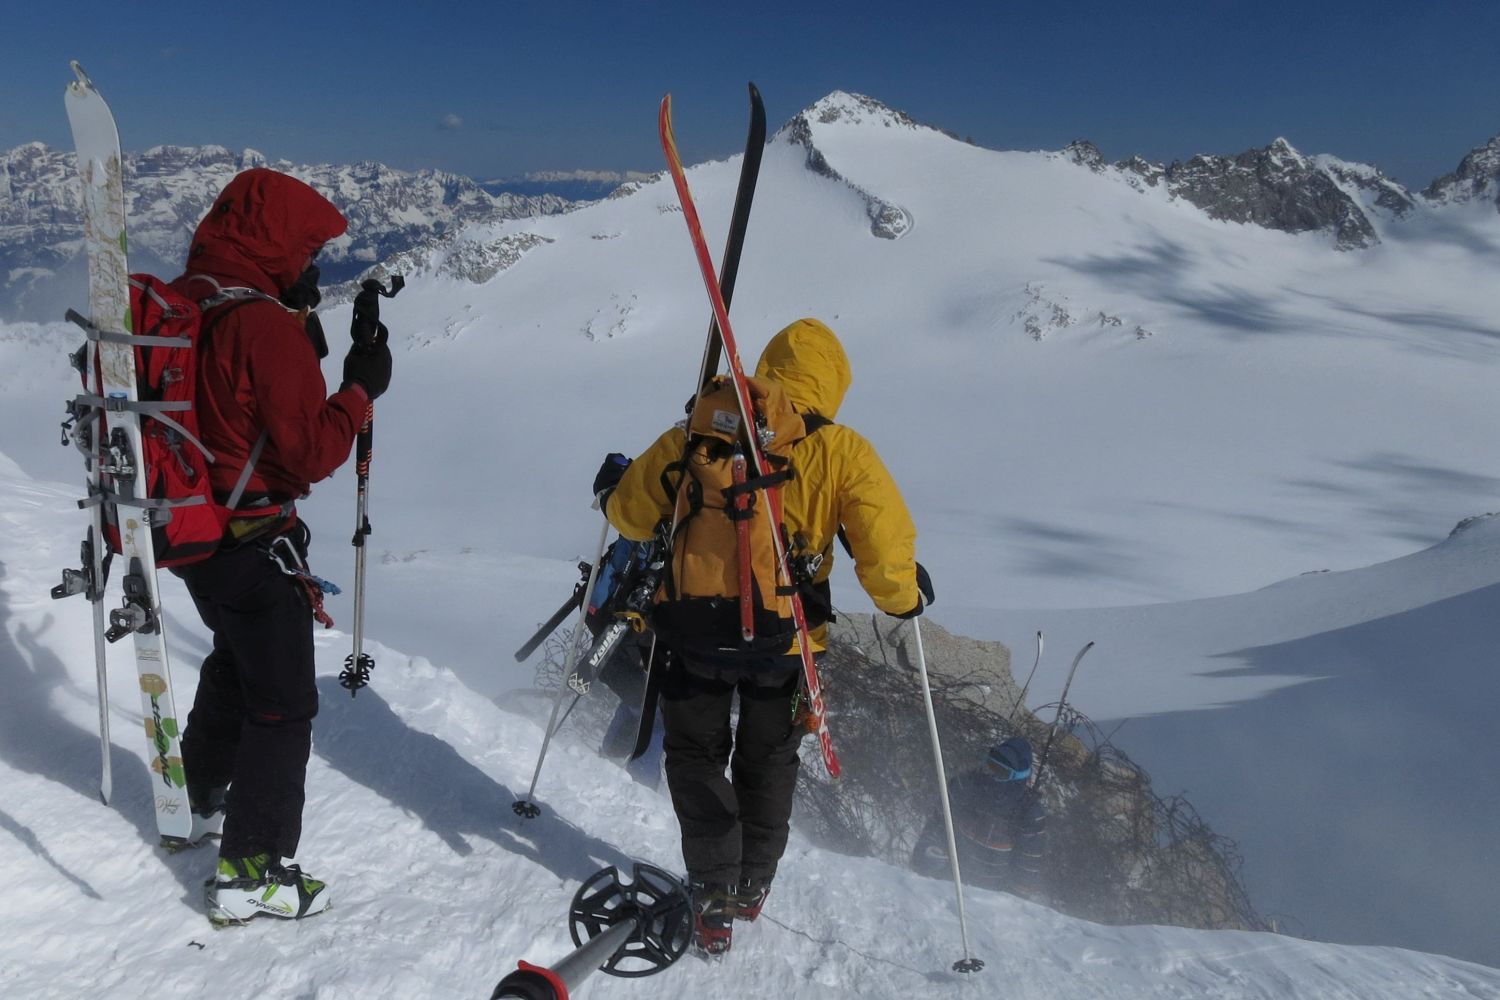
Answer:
(734, 829)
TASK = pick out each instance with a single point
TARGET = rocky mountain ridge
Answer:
(170, 187)
(418, 218)
(1275, 186)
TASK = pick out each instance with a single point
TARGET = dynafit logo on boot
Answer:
(281, 909)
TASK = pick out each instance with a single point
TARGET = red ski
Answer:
(747, 415)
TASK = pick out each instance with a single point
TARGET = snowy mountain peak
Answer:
(1282, 152)
(1476, 179)
(857, 109)
(1085, 154)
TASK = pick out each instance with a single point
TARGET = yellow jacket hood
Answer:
(810, 363)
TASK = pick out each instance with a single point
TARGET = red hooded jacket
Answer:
(257, 369)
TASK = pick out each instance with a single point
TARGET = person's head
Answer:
(810, 364)
(264, 229)
(1010, 760)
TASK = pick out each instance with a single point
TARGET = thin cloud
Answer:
(450, 123)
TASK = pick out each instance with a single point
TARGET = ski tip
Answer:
(83, 81)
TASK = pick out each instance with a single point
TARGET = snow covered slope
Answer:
(1094, 396)
(440, 887)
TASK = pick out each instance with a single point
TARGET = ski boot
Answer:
(250, 887)
(208, 821)
(750, 895)
(713, 917)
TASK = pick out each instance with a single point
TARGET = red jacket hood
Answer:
(263, 230)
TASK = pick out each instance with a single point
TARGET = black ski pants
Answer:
(251, 723)
(736, 826)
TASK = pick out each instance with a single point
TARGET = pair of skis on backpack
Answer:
(720, 344)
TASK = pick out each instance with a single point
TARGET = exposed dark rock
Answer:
(1477, 177)
(1085, 154)
(1275, 187)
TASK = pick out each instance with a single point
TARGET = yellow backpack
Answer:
(723, 547)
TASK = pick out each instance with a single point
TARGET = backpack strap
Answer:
(233, 298)
(233, 293)
(814, 422)
(244, 480)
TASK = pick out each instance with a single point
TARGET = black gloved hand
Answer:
(924, 584)
(610, 473)
(924, 591)
(369, 365)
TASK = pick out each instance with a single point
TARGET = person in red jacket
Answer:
(265, 414)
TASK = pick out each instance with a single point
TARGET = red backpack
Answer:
(187, 523)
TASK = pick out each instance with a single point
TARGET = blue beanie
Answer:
(1014, 754)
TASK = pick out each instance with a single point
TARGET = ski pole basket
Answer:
(628, 929)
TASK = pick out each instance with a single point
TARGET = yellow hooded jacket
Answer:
(839, 479)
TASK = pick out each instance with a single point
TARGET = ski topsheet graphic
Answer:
(106, 426)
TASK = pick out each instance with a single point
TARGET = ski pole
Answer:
(367, 332)
(1027, 686)
(527, 807)
(646, 923)
(1061, 704)
(968, 963)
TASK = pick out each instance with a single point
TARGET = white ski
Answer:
(117, 477)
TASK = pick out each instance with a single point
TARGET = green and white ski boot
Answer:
(245, 888)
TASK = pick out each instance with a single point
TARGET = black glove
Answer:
(610, 473)
(369, 365)
(925, 592)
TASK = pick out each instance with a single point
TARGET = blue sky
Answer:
(496, 89)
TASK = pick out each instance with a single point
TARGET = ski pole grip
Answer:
(365, 328)
(531, 982)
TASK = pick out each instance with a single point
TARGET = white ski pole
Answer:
(527, 807)
(968, 963)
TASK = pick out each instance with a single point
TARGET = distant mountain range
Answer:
(574, 185)
(399, 212)
(170, 187)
